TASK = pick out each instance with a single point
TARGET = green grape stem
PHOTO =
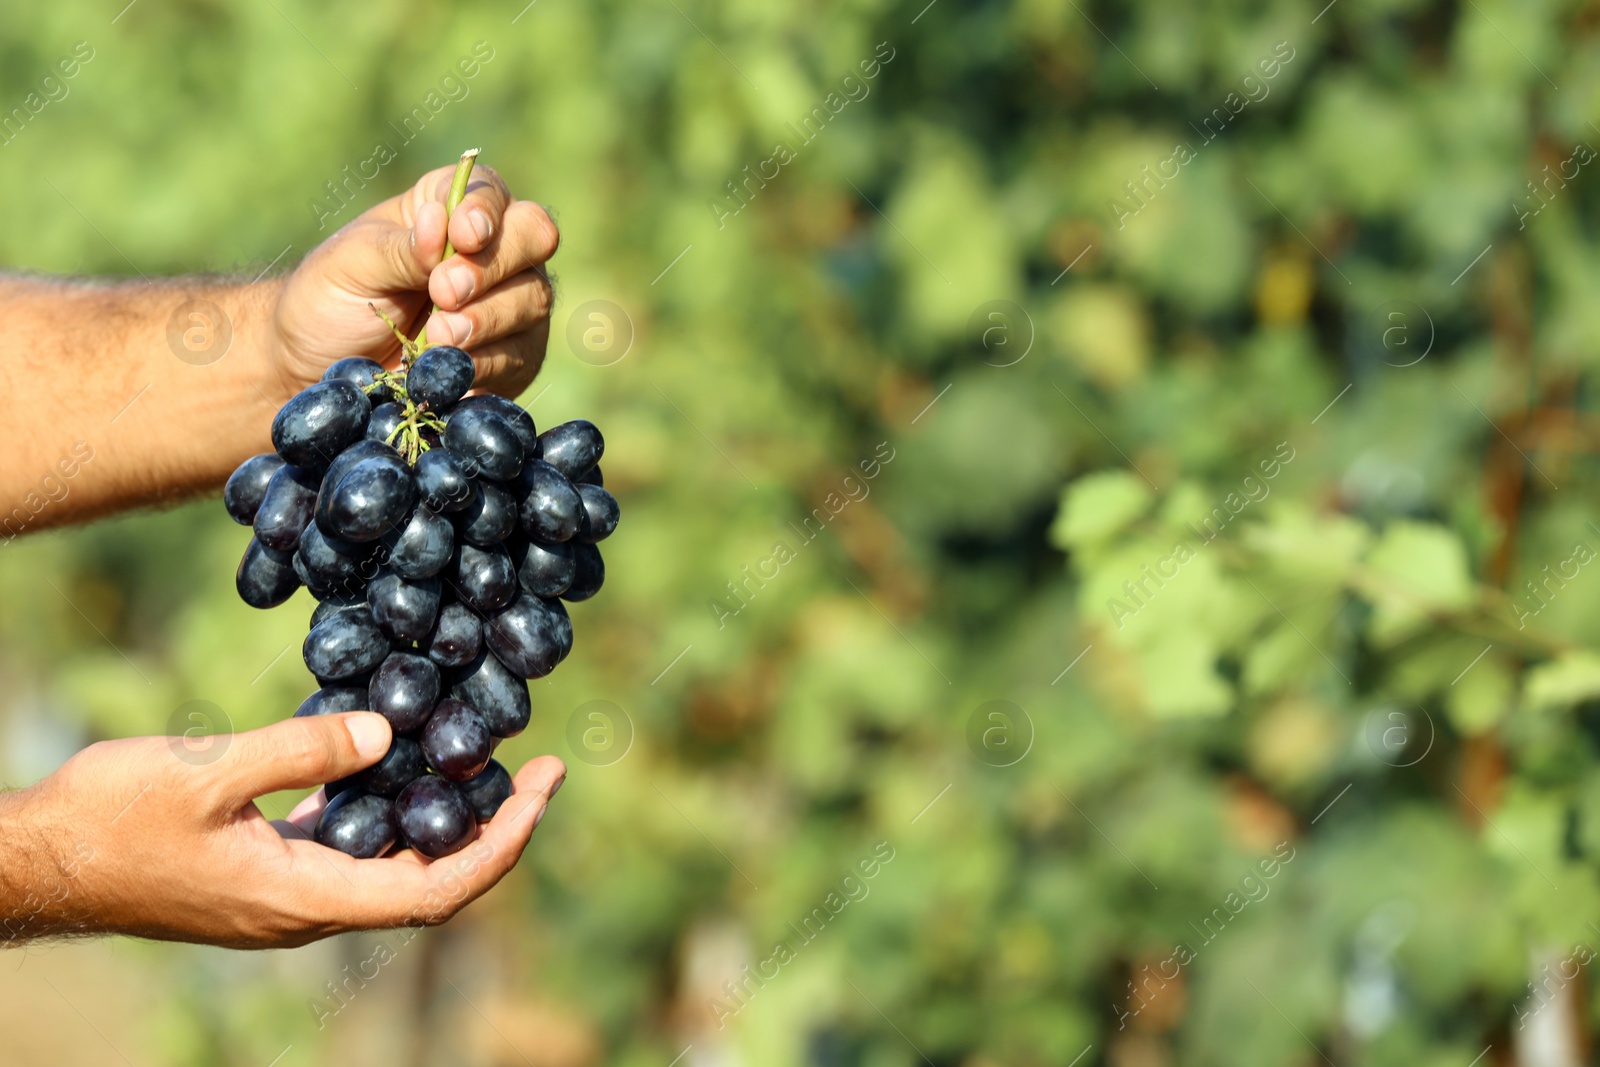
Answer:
(458, 192)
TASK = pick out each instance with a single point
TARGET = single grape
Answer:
(266, 576)
(344, 647)
(456, 741)
(439, 377)
(489, 517)
(497, 694)
(385, 421)
(362, 372)
(421, 546)
(514, 414)
(333, 605)
(319, 422)
(442, 483)
(456, 638)
(368, 501)
(486, 791)
(543, 570)
(600, 514)
(248, 485)
(573, 447)
(434, 817)
(485, 443)
(333, 699)
(589, 576)
(404, 690)
(342, 567)
(403, 609)
(591, 477)
(399, 767)
(531, 636)
(550, 509)
(483, 578)
(286, 509)
(358, 824)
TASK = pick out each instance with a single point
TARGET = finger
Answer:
(381, 255)
(515, 305)
(303, 819)
(298, 753)
(528, 238)
(508, 366)
(502, 839)
(478, 217)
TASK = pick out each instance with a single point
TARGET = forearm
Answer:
(105, 411)
(38, 871)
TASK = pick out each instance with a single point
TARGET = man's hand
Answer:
(493, 295)
(132, 837)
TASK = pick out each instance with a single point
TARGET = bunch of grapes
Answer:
(440, 534)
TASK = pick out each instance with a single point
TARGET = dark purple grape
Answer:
(485, 443)
(456, 741)
(344, 647)
(248, 485)
(573, 447)
(531, 636)
(333, 605)
(341, 567)
(550, 509)
(514, 414)
(486, 791)
(362, 372)
(307, 579)
(497, 694)
(456, 638)
(543, 570)
(489, 517)
(600, 514)
(266, 576)
(358, 824)
(434, 817)
(384, 422)
(442, 484)
(287, 507)
(591, 477)
(319, 422)
(333, 699)
(440, 376)
(368, 500)
(589, 576)
(421, 546)
(399, 767)
(403, 609)
(483, 577)
(404, 690)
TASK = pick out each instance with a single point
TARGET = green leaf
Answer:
(1098, 505)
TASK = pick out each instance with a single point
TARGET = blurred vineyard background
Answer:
(1216, 483)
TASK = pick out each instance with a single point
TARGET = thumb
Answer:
(300, 753)
(384, 256)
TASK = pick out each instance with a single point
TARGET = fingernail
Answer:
(459, 279)
(449, 329)
(370, 733)
(557, 787)
(480, 224)
(537, 819)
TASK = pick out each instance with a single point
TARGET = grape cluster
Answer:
(440, 534)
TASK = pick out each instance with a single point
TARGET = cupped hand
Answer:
(493, 295)
(140, 837)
